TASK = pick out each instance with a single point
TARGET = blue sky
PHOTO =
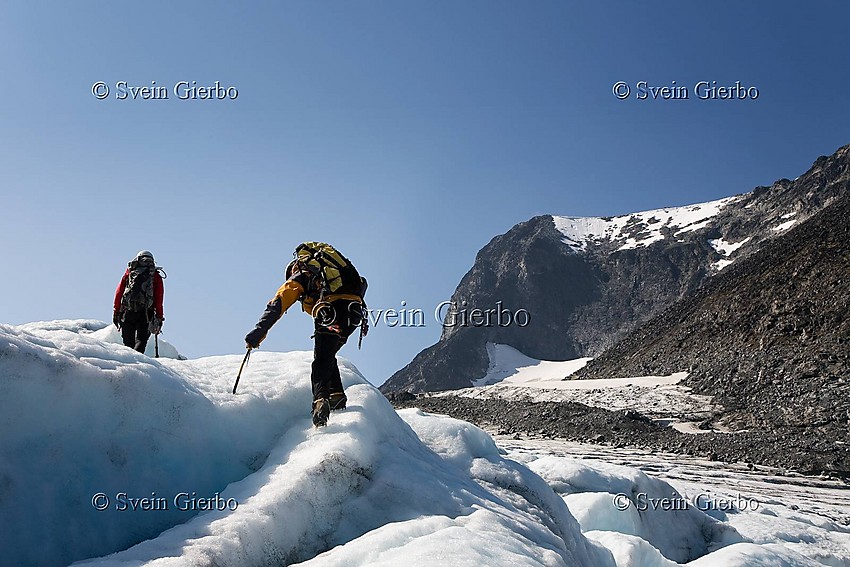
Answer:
(406, 133)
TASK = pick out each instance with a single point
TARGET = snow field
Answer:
(81, 416)
(607, 497)
(512, 375)
(776, 520)
(85, 418)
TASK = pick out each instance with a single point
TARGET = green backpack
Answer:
(138, 294)
(336, 273)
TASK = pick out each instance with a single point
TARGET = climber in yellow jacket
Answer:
(331, 290)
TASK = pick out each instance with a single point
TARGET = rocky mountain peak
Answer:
(585, 283)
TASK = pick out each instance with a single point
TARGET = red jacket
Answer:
(158, 292)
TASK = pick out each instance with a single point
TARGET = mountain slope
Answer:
(769, 337)
(587, 282)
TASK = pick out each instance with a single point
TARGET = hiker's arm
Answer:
(119, 292)
(288, 294)
(158, 293)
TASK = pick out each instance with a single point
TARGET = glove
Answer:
(155, 325)
(255, 337)
(116, 319)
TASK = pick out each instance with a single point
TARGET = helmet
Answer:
(144, 254)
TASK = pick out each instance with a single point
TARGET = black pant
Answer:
(334, 323)
(134, 329)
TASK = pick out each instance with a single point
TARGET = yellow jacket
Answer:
(292, 291)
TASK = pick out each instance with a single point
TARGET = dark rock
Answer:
(581, 303)
(782, 381)
(788, 449)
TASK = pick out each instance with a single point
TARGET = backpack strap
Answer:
(364, 323)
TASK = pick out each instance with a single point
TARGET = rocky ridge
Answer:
(761, 327)
(769, 338)
(587, 283)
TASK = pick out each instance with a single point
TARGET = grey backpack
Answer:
(138, 295)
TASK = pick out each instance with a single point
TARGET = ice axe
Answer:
(156, 345)
(244, 362)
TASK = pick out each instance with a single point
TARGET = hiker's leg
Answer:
(334, 380)
(131, 326)
(128, 333)
(349, 322)
(324, 363)
(142, 336)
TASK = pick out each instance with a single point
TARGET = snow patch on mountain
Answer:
(637, 229)
(785, 225)
(725, 249)
(514, 376)
(510, 366)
